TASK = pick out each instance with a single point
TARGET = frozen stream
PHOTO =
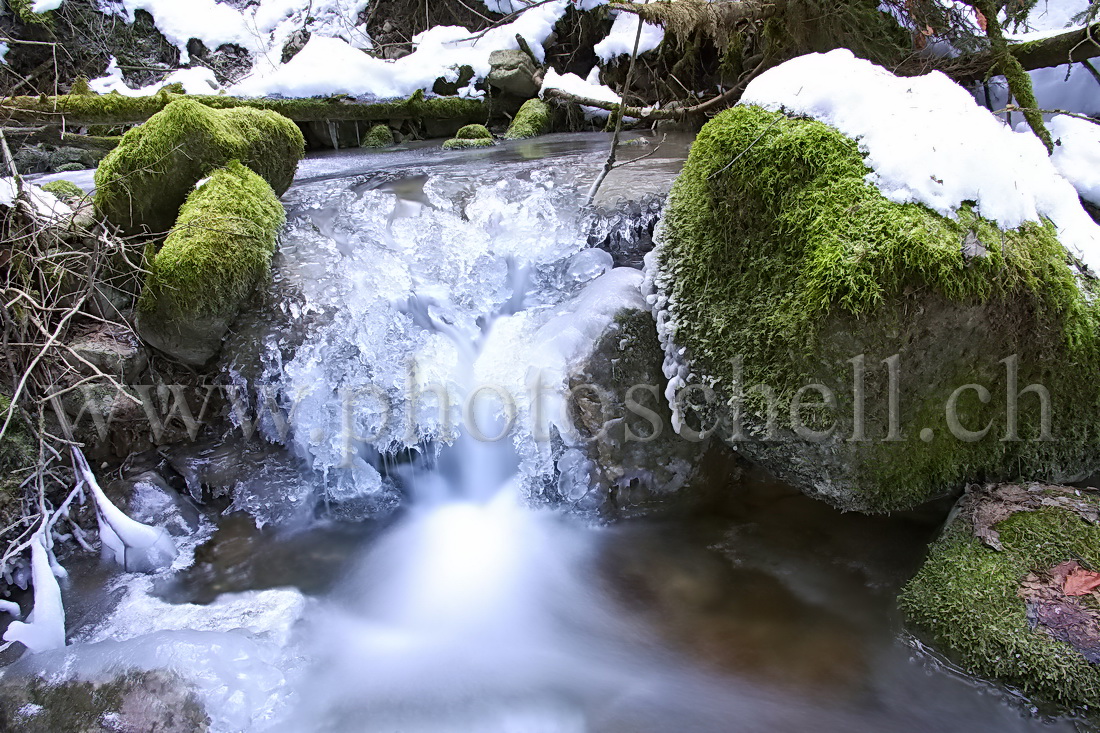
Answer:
(416, 577)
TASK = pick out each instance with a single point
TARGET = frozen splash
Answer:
(414, 295)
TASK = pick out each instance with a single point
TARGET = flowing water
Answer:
(410, 575)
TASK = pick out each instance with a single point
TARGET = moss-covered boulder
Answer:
(872, 353)
(533, 119)
(216, 254)
(992, 592)
(143, 182)
(470, 136)
(379, 136)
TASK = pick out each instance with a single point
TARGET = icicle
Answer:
(135, 546)
(45, 625)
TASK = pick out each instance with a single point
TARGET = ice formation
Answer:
(135, 546)
(44, 628)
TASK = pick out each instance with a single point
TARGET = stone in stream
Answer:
(992, 593)
(513, 71)
(532, 120)
(216, 255)
(628, 454)
(470, 136)
(142, 183)
(131, 701)
(848, 343)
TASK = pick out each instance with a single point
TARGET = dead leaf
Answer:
(1081, 582)
(982, 22)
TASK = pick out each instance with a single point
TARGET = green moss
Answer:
(778, 252)
(116, 109)
(966, 596)
(24, 10)
(463, 143)
(220, 247)
(64, 190)
(532, 119)
(143, 181)
(474, 132)
(80, 86)
(379, 136)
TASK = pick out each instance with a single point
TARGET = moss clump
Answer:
(473, 132)
(24, 10)
(966, 596)
(143, 181)
(219, 249)
(470, 136)
(80, 86)
(380, 136)
(777, 252)
(461, 143)
(65, 190)
(533, 119)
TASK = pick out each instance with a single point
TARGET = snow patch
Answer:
(620, 39)
(927, 141)
(573, 84)
(333, 66)
(1077, 155)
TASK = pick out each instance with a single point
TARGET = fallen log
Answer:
(115, 109)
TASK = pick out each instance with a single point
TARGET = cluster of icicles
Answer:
(135, 546)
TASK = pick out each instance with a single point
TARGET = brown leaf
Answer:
(982, 22)
(1081, 582)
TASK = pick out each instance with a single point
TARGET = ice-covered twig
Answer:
(135, 546)
(44, 628)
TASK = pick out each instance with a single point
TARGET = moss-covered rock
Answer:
(470, 136)
(67, 191)
(973, 599)
(131, 701)
(532, 119)
(143, 182)
(380, 136)
(217, 253)
(779, 265)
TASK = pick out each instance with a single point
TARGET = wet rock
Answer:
(147, 498)
(634, 461)
(252, 476)
(132, 702)
(514, 72)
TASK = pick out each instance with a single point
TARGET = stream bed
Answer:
(381, 566)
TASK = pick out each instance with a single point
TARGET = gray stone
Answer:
(514, 72)
(635, 463)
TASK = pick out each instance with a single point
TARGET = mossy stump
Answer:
(217, 253)
(532, 120)
(973, 600)
(142, 183)
(907, 342)
(470, 136)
